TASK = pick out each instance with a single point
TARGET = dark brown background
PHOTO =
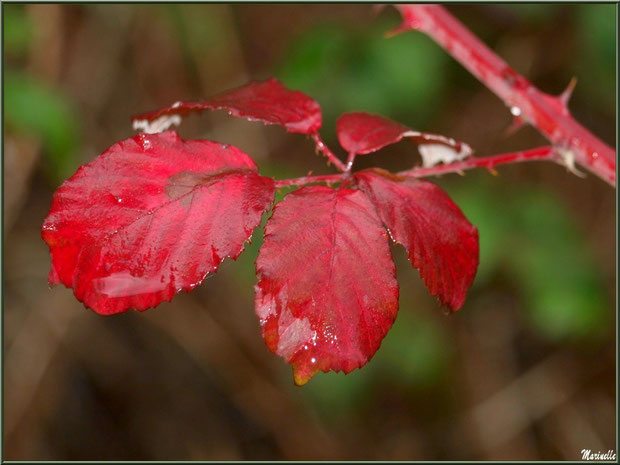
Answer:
(526, 370)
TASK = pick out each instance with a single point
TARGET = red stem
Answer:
(350, 160)
(328, 178)
(540, 153)
(549, 114)
(320, 145)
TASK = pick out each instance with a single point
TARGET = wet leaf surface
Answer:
(327, 293)
(268, 101)
(151, 216)
(441, 243)
(361, 133)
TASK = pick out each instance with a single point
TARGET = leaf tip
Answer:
(453, 305)
(53, 278)
(301, 375)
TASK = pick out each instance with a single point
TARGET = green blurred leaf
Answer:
(358, 69)
(534, 13)
(561, 283)
(314, 56)
(335, 395)
(415, 351)
(200, 30)
(17, 30)
(38, 111)
(598, 23)
(529, 234)
(595, 64)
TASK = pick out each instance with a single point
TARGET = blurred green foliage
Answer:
(357, 69)
(189, 24)
(595, 65)
(32, 108)
(529, 235)
(17, 30)
(535, 13)
(416, 347)
(199, 32)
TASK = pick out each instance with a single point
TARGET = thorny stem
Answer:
(327, 152)
(549, 114)
(490, 162)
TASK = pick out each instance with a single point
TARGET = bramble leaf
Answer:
(327, 293)
(442, 245)
(151, 216)
(361, 133)
(268, 101)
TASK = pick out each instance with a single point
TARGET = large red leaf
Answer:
(268, 101)
(441, 243)
(152, 216)
(361, 133)
(327, 293)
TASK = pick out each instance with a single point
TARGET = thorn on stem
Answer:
(568, 92)
(560, 102)
(492, 170)
(403, 27)
(567, 158)
(517, 123)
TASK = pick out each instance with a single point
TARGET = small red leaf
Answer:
(361, 133)
(152, 216)
(327, 293)
(441, 243)
(268, 101)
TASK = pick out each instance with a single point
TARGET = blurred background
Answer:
(527, 368)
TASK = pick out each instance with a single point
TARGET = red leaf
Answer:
(327, 293)
(361, 133)
(441, 243)
(268, 101)
(152, 216)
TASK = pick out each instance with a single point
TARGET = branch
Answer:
(541, 153)
(549, 114)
